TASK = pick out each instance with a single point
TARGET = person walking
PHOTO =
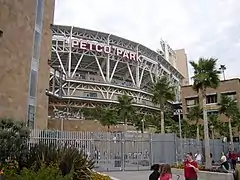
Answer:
(166, 173)
(155, 174)
(233, 158)
(198, 157)
(190, 168)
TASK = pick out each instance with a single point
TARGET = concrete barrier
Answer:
(204, 175)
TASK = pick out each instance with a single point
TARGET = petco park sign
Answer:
(103, 48)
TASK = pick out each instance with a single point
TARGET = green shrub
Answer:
(67, 157)
(97, 176)
(51, 172)
(13, 139)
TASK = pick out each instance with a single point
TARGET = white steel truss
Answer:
(106, 75)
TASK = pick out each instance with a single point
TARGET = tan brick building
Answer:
(25, 47)
(182, 65)
(190, 97)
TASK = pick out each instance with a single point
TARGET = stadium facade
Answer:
(91, 68)
(50, 72)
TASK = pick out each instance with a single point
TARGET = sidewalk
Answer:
(133, 175)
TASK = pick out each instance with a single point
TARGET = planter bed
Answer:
(208, 174)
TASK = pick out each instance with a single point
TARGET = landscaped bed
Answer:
(206, 174)
(41, 160)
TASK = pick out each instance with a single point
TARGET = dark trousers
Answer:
(234, 162)
(191, 178)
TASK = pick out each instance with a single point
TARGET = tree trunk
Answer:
(213, 133)
(198, 138)
(230, 133)
(162, 123)
(238, 133)
(208, 163)
(198, 133)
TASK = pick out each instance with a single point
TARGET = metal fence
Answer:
(128, 151)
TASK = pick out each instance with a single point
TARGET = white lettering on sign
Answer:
(103, 48)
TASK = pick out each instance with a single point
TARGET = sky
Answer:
(204, 28)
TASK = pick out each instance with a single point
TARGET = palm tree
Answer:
(153, 121)
(125, 108)
(206, 75)
(163, 92)
(188, 130)
(229, 108)
(141, 121)
(214, 123)
(195, 114)
(108, 117)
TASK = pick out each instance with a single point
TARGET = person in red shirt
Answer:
(190, 168)
(166, 173)
(233, 157)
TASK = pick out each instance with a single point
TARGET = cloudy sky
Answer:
(203, 27)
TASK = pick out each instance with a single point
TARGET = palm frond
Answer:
(163, 92)
(206, 74)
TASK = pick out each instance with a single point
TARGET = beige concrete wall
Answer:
(83, 125)
(17, 21)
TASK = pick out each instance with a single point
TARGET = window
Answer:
(90, 94)
(39, 13)
(213, 112)
(33, 83)
(191, 101)
(211, 99)
(37, 45)
(31, 116)
(232, 95)
(34, 65)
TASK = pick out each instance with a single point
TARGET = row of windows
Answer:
(35, 62)
(210, 99)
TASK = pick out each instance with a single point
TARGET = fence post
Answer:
(150, 149)
(122, 151)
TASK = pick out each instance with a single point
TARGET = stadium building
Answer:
(50, 72)
(91, 68)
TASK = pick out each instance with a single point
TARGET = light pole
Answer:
(180, 131)
(143, 126)
(212, 131)
(222, 68)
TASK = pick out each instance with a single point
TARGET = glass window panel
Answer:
(33, 83)
(39, 13)
(37, 45)
(31, 116)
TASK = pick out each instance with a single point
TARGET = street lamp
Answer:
(222, 68)
(212, 131)
(180, 131)
(143, 126)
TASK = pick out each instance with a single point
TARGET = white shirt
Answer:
(223, 158)
(198, 157)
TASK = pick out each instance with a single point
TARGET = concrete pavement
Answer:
(133, 175)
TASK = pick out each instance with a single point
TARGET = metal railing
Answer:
(117, 151)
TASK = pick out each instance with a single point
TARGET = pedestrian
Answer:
(198, 157)
(224, 164)
(233, 157)
(155, 174)
(166, 173)
(190, 168)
